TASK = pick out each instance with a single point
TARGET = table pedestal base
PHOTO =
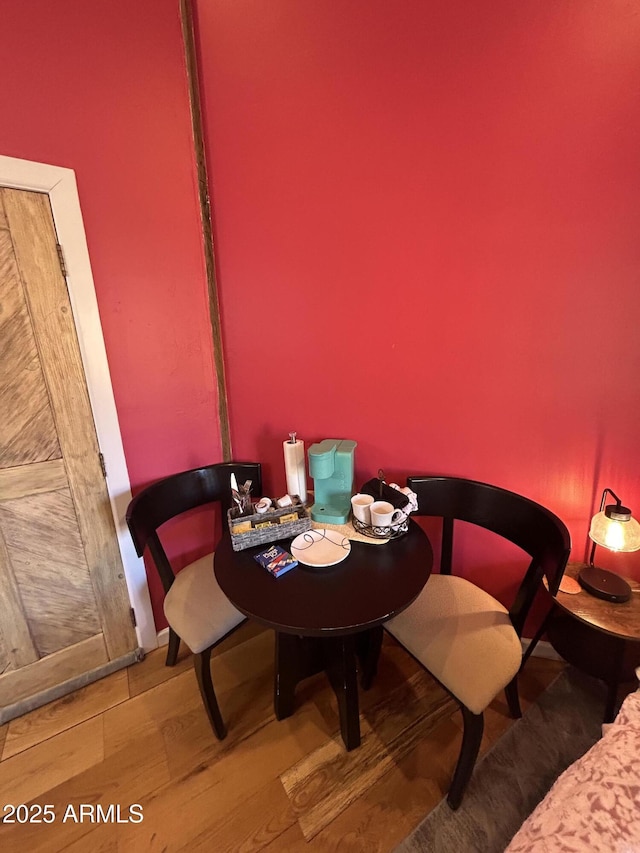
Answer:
(298, 658)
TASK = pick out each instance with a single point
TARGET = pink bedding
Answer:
(595, 804)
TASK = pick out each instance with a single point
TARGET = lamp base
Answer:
(603, 584)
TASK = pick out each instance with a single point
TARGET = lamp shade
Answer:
(616, 529)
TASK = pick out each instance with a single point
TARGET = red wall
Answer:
(422, 214)
(427, 236)
(100, 87)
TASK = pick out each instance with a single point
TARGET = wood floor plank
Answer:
(388, 813)
(65, 713)
(127, 722)
(247, 631)
(28, 775)
(154, 671)
(379, 819)
(122, 779)
(156, 748)
(234, 662)
(385, 814)
(102, 839)
(172, 696)
(242, 662)
(324, 783)
(256, 823)
(292, 841)
(191, 741)
(212, 791)
(335, 779)
(243, 679)
(175, 711)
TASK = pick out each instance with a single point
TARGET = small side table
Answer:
(598, 637)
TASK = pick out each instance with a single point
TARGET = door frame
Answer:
(60, 185)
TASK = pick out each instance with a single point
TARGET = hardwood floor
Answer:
(141, 737)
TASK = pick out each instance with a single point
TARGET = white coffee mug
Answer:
(383, 514)
(399, 518)
(360, 504)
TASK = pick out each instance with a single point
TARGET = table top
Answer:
(374, 583)
(619, 619)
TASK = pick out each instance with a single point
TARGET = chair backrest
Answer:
(173, 495)
(530, 526)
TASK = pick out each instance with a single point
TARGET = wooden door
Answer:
(64, 607)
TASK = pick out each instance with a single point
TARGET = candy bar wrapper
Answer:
(276, 560)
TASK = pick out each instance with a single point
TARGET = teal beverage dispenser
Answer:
(331, 467)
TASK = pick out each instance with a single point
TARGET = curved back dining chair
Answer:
(195, 607)
(462, 635)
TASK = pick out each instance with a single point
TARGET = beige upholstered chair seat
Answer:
(463, 636)
(197, 609)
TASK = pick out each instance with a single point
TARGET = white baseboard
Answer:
(163, 637)
(544, 649)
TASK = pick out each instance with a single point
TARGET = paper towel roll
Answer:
(294, 466)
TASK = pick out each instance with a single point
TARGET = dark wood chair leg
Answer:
(202, 666)
(513, 700)
(174, 648)
(471, 739)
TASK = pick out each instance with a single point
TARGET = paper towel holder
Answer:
(294, 465)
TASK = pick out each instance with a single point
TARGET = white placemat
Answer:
(348, 531)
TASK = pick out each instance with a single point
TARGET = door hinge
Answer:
(103, 466)
(63, 266)
(134, 621)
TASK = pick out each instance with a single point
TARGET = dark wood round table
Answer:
(602, 638)
(328, 618)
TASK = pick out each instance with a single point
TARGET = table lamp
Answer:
(614, 528)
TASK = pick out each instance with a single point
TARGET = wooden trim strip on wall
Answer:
(188, 35)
